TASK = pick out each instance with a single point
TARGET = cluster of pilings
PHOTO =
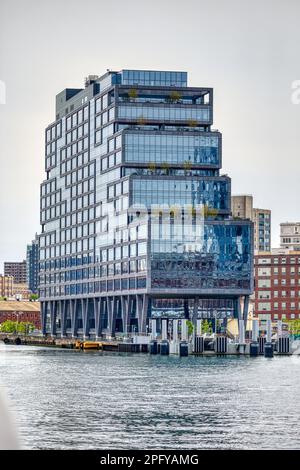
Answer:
(181, 343)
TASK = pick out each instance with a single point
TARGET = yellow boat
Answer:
(88, 345)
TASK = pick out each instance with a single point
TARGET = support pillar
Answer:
(240, 320)
(85, 315)
(269, 331)
(255, 329)
(175, 330)
(199, 327)
(245, 310)
(112, 313)
(98, 305)
(184, 331)
(195, 312)
(125, 313)
(279, 328)
(164, 333)
(241, 332)
(53, 318)
(153, 328)
(73, 311)
(139, 311)
(144, 314)
(109, 314)
(43, 317)
(63, 316)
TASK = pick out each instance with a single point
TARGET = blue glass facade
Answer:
(211, 192)
(217, 258)
(169, 148)
(32, 266)
(154, 78)
(128, 147)
(164, 113)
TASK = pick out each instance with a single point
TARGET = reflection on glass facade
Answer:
(205, 308)
(211, 192)
(164, 113)
(154, 78)
(140, 138)
(218, 258)
(178, 149)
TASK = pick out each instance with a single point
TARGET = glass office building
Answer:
(136, 218)
(32, 265)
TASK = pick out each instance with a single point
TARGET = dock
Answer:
(198, 346)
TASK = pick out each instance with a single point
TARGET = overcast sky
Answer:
(248, 51)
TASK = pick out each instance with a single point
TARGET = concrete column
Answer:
(109, 314)
(195, 312)
(139, 312)
(241, 323)
(255, 329)
(63, 316)
(164, 333)
(53, 317)
(98, 305)
(143, 324)
(269, 331)
(74, 315)
(60, 309)
(279, 328)
(184, 330)
(245, 310)
(175, 330)
(153, 328)
(43, 317)
(101, 310)
(130, 308)
(85, 313)
(237, 308)
(125, 311)
(241, 332)
(112, 313)
(199, 327)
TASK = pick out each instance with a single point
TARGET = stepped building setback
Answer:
(136, 218)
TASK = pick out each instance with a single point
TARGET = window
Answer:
(142, 249)
(264, 271)
(264, 306)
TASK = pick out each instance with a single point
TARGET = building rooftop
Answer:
(14, 305)
(290, 223)
(71, 98)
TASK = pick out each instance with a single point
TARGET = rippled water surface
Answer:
(76, 400)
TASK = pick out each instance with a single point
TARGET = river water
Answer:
(64, 399)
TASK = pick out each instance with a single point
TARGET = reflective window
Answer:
(211, 192)
(165, 113)
(221, 258)
(164, 148)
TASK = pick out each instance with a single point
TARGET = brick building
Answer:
(6, 286)
(277, 285)
(20, 311)
(16, 269)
